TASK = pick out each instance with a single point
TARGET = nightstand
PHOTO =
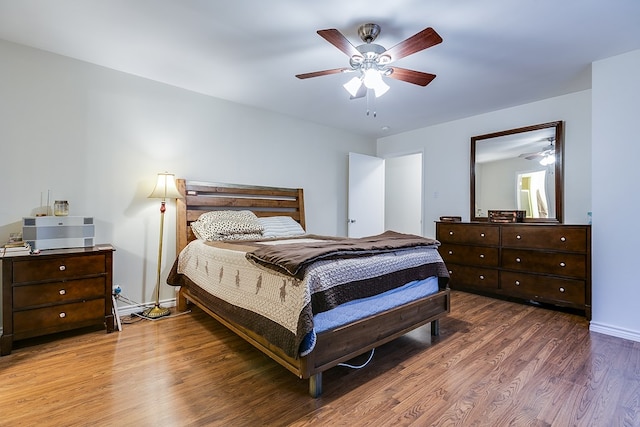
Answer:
(54, 291)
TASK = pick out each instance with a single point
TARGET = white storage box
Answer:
(58, 232)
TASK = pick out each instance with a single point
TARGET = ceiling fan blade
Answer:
(420, 41)
(322, 73)
(336, 38)
(411, 76)
(531, 156)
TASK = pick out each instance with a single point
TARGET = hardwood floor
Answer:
(495, 363)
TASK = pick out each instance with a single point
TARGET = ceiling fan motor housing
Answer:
(368, 32)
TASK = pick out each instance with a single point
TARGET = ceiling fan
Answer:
(545, 156)
(371, 61)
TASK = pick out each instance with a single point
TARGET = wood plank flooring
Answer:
(495, 363)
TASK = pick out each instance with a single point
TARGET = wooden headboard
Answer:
(200, 197)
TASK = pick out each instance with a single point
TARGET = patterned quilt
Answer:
(280, 306)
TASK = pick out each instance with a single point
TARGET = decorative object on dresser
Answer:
(506, 216)
(165, 189)
(58, 290)
(544, 263)
(58, 232)
(451, 218)
(16, 248)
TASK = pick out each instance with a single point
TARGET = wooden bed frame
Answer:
(332, 347)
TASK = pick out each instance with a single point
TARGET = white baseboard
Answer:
(615, 331)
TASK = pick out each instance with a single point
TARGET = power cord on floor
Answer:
(359, 366)
(130, 318)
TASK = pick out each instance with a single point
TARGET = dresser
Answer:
(544, 263)
(56, 290)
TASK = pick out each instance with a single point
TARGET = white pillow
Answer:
(280, 226)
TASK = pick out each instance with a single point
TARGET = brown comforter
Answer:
(293, 258)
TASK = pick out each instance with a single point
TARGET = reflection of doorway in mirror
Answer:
(531, 194)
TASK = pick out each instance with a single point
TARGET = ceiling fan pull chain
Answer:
(371, 101)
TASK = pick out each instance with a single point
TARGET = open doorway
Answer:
(403, 194)
(384, 194)
(531, 194)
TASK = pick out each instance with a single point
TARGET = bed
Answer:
(319, 348)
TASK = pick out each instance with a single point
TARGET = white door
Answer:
(366, 195)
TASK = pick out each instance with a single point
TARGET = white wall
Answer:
(97, 138)
(447, 149)
(602, 149)
(616, 152)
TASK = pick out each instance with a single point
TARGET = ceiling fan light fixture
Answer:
(353, 85)
(381, 89)
(549, 159)
(384, 59)
(373, 80)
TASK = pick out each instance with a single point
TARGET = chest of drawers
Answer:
(55, 291)
(534, 262)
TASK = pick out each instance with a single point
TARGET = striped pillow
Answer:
(280, 226)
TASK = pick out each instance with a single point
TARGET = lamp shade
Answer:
(353, 85)
(165, 187)
(373, 80)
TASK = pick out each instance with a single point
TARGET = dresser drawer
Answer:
(473, 255)
(561, 264)
(58, 317)
(543, 288)
(58, 292)
(33, 270)
(476, 234)
(549, 237)
(462, 276)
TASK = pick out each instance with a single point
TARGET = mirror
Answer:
(518, 169)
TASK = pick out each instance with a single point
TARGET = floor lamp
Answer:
(165, 189)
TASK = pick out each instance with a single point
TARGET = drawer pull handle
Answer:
(481, 255)
(450, 272)
(451, 233)
(481, 234)
(518, 260)
(450, 252)
(562, 264)
(518, 237)
(63, 292)
(562, 290)
(63, 315)
(563, 239)
(481, 277)
(517, 283)
(63, 268)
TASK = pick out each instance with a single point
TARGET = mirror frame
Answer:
(559, 168)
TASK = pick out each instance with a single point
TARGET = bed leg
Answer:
(435, 327)
(181, 301)
(315, 385)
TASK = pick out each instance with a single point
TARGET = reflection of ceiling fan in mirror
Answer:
(546, 156)
(372, 62)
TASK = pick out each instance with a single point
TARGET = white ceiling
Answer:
(495, 53)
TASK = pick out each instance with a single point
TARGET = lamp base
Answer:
(155, 312)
